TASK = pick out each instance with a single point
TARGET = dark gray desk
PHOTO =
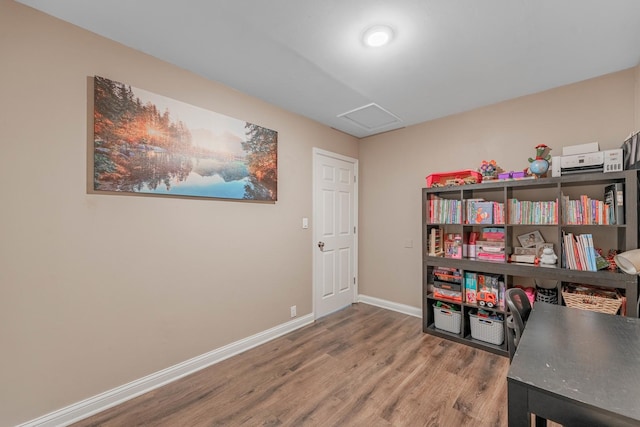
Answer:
(577, 368)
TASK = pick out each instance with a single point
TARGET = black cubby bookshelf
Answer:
(621, 237)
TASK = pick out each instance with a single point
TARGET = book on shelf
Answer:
(479, 212)
(614, 198)
(579, 252)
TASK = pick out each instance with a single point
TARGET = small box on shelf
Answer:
(453, 246)
(490, 251)
(470, 286)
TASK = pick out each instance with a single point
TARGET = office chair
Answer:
(519, 309)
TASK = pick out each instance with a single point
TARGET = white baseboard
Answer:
(390, 305)
(93, 405)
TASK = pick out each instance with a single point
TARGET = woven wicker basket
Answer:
(591, 298)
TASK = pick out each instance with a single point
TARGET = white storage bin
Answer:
(488, 330)
(447, 320)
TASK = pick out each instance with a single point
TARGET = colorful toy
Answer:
(487, 298)
(540, 165)
(488, 169)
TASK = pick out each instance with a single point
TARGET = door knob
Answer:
(321, 245)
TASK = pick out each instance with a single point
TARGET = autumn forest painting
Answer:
(147, 143)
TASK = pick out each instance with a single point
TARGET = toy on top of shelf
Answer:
(489, 170)
(460, 177)
(540, 165)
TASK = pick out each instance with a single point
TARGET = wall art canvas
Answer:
(148, 143)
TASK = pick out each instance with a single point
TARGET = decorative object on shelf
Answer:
(530, 240)
(489, 170)
(540, 165)
(540, 247)
(548, 256)
(611, 259)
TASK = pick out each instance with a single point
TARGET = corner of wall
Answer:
(636, 115)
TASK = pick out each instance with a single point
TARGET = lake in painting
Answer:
(147, 143)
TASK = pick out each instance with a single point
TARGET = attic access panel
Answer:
(371, 117)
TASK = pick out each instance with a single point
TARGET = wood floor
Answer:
(362, 366)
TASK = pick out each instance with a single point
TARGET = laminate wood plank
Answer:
(361, 366)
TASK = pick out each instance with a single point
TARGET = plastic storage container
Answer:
(488, 330)
(447, 320)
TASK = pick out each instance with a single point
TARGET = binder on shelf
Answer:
(614, 197)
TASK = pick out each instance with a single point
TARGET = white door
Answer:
(335, 213)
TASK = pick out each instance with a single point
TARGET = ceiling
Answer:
(306, 56)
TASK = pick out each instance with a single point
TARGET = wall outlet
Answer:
(293, 311)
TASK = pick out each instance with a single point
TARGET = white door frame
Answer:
(314, 247)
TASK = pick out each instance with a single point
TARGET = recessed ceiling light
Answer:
(378, 35)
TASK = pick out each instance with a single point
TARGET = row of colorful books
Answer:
(582, 211)
(587, 211)
(532, 212)
(472, 211)
(444, 211)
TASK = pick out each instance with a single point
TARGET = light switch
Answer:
(305, 222)
(408, 243)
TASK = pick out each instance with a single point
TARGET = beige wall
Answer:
(393, 166)
(637, 101)
(98, 290)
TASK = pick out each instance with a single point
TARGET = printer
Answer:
(586, 158)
